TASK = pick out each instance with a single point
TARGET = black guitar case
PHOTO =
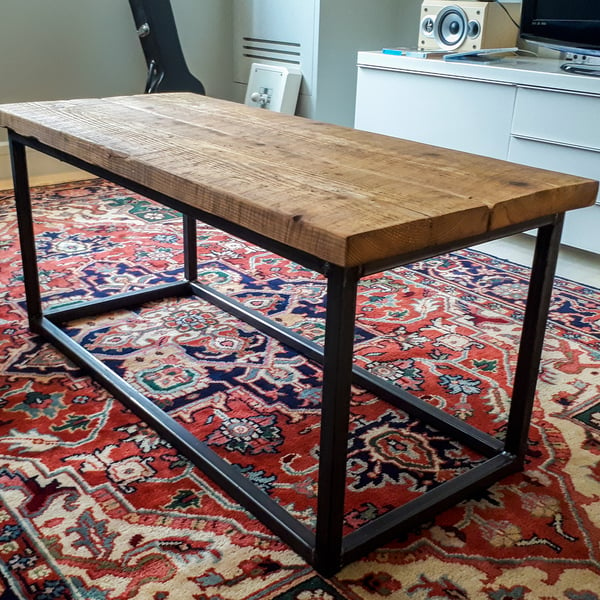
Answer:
(157, 31)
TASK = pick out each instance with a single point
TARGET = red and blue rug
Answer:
(94, 505)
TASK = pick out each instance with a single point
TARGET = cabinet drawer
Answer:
(581, 226)
(561, 117)
(581, 230)
(555, 157)
(471, 116)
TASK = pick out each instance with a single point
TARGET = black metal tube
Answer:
(298, 536)
(99, 306)
(190, 248)
(386, 390)
(31, 278)
(289, 252)
(335, 415)
(422, 254)
(404, 518)
(422, 410)
(532, 336)
(260, 322)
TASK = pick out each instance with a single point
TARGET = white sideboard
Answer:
(520, 109)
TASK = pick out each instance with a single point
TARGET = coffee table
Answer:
(342, 202)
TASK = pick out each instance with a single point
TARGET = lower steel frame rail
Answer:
(325, 547)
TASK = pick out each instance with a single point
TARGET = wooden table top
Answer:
(342, 195)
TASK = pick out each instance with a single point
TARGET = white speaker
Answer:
(468, 25)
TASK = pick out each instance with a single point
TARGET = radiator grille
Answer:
(288, 53)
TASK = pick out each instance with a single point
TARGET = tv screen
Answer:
(569, 25)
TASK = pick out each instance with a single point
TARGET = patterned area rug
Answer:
(94, 505)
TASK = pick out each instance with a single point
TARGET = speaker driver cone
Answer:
(451, 27)
(473, 29)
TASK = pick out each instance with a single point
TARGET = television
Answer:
(571, 26)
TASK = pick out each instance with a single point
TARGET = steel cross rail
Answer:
(326, 547)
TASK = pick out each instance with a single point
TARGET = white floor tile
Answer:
(576, 265)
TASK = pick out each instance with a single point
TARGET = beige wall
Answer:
(53, 49)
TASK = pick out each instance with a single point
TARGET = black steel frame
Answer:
(326, 548)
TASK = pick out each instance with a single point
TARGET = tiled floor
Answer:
(574, 264)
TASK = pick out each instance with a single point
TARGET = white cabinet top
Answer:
(518, 70)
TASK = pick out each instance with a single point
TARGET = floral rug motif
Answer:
(95, 506)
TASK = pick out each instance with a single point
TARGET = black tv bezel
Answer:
(567, 35)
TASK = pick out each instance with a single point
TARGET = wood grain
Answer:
(345, 196)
